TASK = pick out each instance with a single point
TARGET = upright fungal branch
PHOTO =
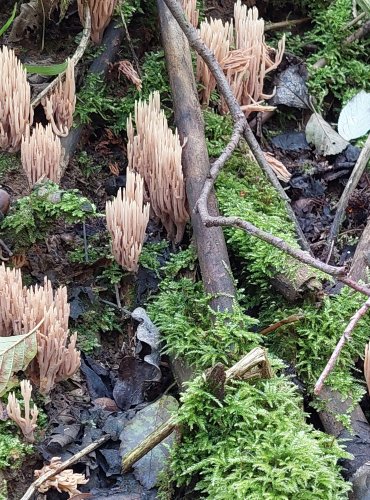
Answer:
(242, 54)
(218, 37)
(15, 101)
(191, 11)
(101, 13)
(127, 218)
(41, 154)
(155, 152)
(28, 423)
(60, 105)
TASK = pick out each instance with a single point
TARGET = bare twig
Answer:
(348, 190)
(75, 458)
(286, 24)
(74, 59)
(290, 319)
(346, 336)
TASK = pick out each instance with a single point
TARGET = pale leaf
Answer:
(354, 119)
(15, 354)
(325, 139)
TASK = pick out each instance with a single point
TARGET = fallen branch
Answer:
(344, 338)
(75, 458)
(243, 369)
(74, 59)
(348, 190)
(286, 24)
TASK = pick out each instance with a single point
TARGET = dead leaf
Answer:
(354, 119)
(325, 139)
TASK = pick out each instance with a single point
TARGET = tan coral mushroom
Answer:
(191, 11)
(60, 105)
(28, 423)
(41, 154)
(21, 309)
(155, 152)
(65, 481)
(101, 13)
(15, 101)
(127, 218)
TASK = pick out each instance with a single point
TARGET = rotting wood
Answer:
(210, 243)
(100, 66)
(253, 364)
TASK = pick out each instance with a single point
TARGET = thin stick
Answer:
(75, 458)
(85, 242)
(348, 190)
(278, 324)
(286, 24)
(74, 59)
(344, 338)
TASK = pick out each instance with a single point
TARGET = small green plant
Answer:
(93, 99)
(87, 165)
(8, 163)
(31, 216)
(93, 323)
(310, 342)
(149, 257)
(347, 65)
(13, 450)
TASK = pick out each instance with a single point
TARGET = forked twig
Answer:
(74, 59)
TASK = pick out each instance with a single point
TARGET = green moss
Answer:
(30, 218)
(13, 450)
(191, 329)
(150, 255)
(9, 163)
(243, 191)
(347, 65)
(93, 325)
(255, 444)
(310, 342)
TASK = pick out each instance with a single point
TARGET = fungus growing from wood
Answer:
(41, 154)
(155, 152)
(60, 105)
(191, 11)
(15, 101)
(127, 218)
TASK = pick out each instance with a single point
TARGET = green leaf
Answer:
(9, 21)
(52, 70)
(16, 353)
